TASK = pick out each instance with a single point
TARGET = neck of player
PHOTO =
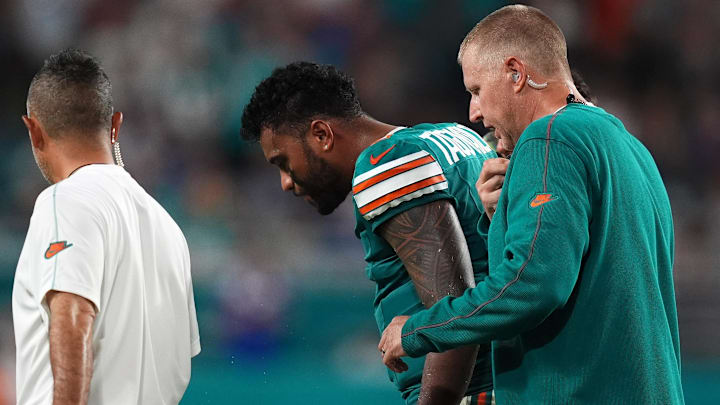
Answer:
(365, 131)
(74, 155)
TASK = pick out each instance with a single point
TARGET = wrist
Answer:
(409, 340)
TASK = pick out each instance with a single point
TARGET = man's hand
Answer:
(391, 345)
(490, 183)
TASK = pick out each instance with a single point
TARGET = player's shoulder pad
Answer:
(392, 171)
(383, 151)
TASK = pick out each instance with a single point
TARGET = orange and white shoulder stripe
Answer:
(397, 181)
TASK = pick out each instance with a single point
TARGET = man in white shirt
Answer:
(103, 304)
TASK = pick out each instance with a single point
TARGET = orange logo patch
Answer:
(55, 248)
(374, 160)
(541, 199)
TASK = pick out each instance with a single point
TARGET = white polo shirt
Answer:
(99, 235)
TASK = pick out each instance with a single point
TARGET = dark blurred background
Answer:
(283, 303)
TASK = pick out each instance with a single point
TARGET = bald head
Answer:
(71, 94)
(522, 32)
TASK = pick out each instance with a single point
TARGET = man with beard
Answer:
(103, 306)
(416, 206)
(579, 302)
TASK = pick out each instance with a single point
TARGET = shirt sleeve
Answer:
(391, 178)
(74, 247)
(194, 330)
(548, 214)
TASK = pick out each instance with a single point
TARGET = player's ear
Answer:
(515, 73)
(35, 131)
(117, 120)
(322, 135)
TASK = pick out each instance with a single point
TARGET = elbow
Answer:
(546, 299)
(546, 304)
(536, 309)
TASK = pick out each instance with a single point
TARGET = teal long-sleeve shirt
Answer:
(579, 302)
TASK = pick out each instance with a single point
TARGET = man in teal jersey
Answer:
(416, 206)
(579, 302)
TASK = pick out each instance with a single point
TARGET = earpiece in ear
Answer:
(534, 85)
(516, 77)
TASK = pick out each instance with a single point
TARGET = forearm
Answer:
(446, 376)
(71, 355)
(430, 242)
(488, 312)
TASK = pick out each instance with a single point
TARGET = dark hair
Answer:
(71, 92)
(297, 93)
(582, 87)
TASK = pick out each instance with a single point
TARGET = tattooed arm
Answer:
(431, 244)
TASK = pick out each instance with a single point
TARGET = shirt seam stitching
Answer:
(530, 255)
(57, 233)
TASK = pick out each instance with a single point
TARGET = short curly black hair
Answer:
(71, 92)
(297, 93)
(582, 87)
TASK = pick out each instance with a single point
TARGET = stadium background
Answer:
(283, 303)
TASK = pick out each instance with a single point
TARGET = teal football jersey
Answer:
(407, 168)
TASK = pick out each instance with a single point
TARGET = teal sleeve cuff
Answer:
(416, 340)
(411, 342)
